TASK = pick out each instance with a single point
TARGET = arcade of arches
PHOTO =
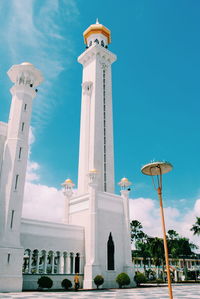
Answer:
(52, 262)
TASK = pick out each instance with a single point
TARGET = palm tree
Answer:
(196, 227)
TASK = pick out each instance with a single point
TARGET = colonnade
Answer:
(52, 262)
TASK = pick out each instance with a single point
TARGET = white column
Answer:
(65, 263)
(73, 263)
(30, 262)
(59, 263)
(68, 263)
(175, 276)
(127, 234)
(45, 262)
(52, 263)
(81, 264)
(37, 262)
(93, 224)
(84, 138)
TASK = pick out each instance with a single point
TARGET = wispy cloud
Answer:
(33, 31)
(41, 202)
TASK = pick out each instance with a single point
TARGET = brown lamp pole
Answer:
(158, 169)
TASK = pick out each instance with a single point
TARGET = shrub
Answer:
(45, 282)
(123, 279)
(98, 280)
(140, 278)
(66, 284)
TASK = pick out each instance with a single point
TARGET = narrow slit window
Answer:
(22, 126)
(25, 107)
(8, 260)
(12, 218)
(20, 153)
(16, 181)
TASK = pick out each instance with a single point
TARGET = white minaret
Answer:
(12, 177)
(96, 110)
(104, 215)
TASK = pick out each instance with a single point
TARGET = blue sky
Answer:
(155, 88)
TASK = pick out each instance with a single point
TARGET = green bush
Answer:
(98, 280)
(140, 278)
(123, 279)
(45, 282)
(66, 284)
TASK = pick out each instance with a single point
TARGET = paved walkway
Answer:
(179, 292)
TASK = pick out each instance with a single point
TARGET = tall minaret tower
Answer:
(104, 215)
(12, 174)
(96, 110)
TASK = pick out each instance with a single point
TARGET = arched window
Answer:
(71, 262)
(96, 41)
(77, 258)
(102, 43)
(110, 253)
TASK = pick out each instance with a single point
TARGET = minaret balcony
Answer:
(96, 51)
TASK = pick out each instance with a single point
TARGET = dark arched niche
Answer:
(110, 253)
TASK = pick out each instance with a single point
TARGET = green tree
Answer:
(172, 234)
(180, 247)
(137, 234)
(156, 249)
(140, 239)
(196, 227)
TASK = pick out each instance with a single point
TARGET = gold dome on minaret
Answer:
(97, 28)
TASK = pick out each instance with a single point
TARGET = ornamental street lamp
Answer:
(68, 192)
(158, 169)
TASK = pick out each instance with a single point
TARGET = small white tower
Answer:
(68, 192)
(12, 175)
(96, 135)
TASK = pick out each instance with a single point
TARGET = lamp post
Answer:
(158, 169)
(68, 192)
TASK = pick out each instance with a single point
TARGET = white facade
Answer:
(94, 238)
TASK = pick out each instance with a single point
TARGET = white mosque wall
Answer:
(110, 218)
(44, 235)
(3, 134)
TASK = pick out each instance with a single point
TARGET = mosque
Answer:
(95, 236)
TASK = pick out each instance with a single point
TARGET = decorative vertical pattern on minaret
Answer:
(104, 129)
